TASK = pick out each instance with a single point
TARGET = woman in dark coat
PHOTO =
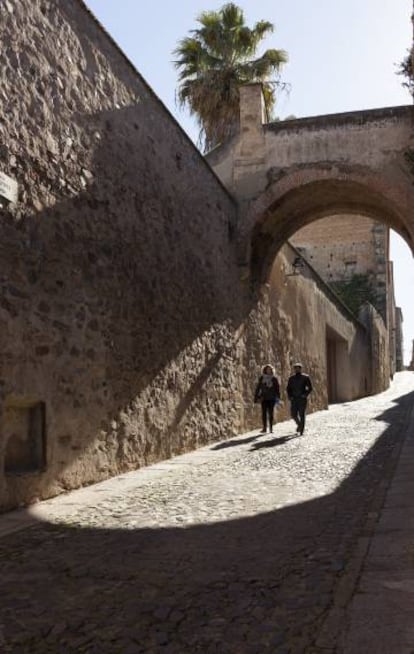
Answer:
(268, 393)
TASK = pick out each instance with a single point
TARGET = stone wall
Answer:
(378, 359)
(119, 293)
(343, 247)
(411, 366)
(394, 336)
(399, 340)
(351, 253)
(127, 333)
(290, 173)
(338, 246)
(296, 315)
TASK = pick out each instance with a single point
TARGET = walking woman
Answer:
(268, 393)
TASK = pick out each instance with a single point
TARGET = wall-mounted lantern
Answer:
(297, 266)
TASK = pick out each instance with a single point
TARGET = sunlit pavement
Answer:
(272, 543)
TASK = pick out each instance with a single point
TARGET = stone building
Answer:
(351, 253)
(411, 366)
(399, 340)
(129, 331)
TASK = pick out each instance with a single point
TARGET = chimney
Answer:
(252, 107)
(252, 118)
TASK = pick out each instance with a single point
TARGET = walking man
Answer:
(298, 388)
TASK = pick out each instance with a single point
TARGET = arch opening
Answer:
(353, 349)
(287, 213)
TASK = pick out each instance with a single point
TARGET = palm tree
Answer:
(215, 61)
(406, 67)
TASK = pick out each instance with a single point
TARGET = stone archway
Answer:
(286, 175)
(303, 197)
(290, 173)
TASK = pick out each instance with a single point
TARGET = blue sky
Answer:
(343, 56)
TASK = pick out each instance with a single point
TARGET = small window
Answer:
(350, 267)
(24, 426)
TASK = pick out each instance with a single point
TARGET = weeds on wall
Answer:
(405, 69)
(355, 291)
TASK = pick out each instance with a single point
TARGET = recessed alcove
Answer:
(24, 429)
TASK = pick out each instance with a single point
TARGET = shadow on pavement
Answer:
(236, 441)
(274, 442)
(258, 584)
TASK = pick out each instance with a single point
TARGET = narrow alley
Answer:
(246, 546)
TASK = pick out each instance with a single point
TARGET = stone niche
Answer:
(24, 430)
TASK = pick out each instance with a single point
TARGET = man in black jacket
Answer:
(298, 388)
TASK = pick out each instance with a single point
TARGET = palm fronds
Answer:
(215, 61)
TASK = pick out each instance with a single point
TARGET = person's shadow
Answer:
(234, 442)
(274, 442)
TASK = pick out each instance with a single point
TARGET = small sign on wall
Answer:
(8, 188)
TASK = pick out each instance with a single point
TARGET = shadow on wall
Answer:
(252, 584)
(119, 306)
(122, 309)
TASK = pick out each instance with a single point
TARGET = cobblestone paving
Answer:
(235, 549)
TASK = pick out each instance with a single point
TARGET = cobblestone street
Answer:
(237, 548)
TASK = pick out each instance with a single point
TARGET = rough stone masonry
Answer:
(127, 333)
